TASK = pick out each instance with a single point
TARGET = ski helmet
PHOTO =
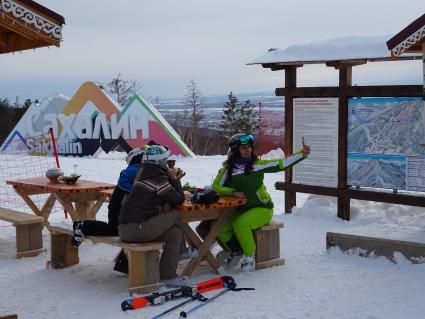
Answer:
(156, 154)
(237, 140)
(133, 153)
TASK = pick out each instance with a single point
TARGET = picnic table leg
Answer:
(47, 208)
(95, 208)
(83, 208)
(28, 201)
(67, 204)
(197, 243)
(204, 248)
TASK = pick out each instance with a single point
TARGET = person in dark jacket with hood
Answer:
(148, 215)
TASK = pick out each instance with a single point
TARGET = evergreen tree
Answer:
(248, 118)
(229, 119)
(238, 118)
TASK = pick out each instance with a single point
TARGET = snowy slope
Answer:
(314, 283)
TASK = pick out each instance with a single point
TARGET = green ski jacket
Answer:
(252, 185)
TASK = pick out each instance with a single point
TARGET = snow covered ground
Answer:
(314, 283)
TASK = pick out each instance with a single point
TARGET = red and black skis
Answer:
(192, 292)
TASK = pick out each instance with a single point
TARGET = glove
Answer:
(206, 197)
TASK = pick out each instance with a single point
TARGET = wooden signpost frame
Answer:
(343, 192)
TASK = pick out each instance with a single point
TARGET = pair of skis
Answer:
(193, 293)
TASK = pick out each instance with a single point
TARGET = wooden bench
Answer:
(29, 241)
(267, 240)
(143, 259)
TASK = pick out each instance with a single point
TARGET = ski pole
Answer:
(230, 286)
(184, 314)
(197, 297)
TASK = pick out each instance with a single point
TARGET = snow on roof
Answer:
(336, 49)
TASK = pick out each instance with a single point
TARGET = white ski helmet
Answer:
(133, 153)
(157, 155)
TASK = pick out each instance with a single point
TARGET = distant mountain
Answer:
(213, 106)
(269, 99)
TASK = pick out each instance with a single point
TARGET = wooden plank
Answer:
(22, 238)
(28, 201)
(111, 240)
(35, 236)
(95, 208)
(195, 242)
(344, 64)
(378, 246)
(268, 245)
(193, 216)
(19, 218)
(270, 263)
(143, 268)
(63, 199)
(310, 189)
(145, 288)
(62, 253)
(272, 225)
(10, 317)
(387, 197)
(381, 196)
(30, 253)
(353, 91)
(43, 183)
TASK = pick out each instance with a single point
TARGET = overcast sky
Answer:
(165, 43)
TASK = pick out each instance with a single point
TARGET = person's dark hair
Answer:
(136, 159)
(231, 163)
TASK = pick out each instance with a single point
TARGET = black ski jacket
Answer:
(151, 190)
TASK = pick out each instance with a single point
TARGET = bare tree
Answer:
(193, 101)
(178, 122)
(123, 90)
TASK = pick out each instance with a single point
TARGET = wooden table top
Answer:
(43, 183)
(188, 206)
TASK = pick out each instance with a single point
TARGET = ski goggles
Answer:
(246, 139)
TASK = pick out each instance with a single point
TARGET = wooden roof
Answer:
(410, 39)
(25, 24)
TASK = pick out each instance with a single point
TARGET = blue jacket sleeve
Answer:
(127, 177)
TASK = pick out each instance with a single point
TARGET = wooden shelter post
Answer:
(290, 82)
(345, 80)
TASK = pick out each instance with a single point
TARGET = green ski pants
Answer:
(242, 224)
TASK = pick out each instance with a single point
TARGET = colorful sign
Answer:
(383, 135)
(92, 122)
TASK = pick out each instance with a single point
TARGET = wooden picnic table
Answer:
(81, 200)
(220, 211)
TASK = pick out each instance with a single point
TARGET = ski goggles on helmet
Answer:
(246, 139)
(240, 139)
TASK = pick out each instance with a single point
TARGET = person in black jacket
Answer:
(147, 213)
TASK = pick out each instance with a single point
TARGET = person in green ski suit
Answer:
(242, 175)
